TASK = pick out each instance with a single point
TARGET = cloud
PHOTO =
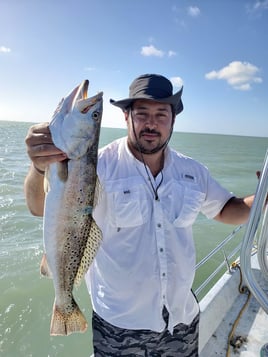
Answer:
(239, 75)
(4, 49)
(257, 8)
(260, 5)
(176, 81)
(90, 69)
(193, 11)
(171, 53)
(151, 51)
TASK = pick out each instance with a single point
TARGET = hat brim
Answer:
(174, 100)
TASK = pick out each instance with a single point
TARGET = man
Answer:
(140, 281)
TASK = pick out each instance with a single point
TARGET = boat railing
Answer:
(226, 261)
(245, 246)
(258, 212)
(263, 245)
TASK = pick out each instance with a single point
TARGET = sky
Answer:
(216, 49)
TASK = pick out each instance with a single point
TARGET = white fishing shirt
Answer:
(147, 257)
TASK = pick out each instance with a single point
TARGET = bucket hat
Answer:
(151, 87)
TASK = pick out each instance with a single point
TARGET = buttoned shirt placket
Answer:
(161, 248)
(158, 215)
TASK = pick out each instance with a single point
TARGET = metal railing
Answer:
(226, 260)
(246, 247)
(263, 245)
(252, 227)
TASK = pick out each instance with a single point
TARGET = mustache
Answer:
(149, 131)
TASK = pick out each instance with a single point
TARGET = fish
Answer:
(70, 234)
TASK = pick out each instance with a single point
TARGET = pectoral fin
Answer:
(44, 268)
(63, 170)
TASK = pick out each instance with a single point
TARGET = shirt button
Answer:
(161, 250)
(163, 274)
(159, 225)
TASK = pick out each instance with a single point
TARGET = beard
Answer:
(137, 144)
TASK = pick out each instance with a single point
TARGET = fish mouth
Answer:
(84, 88)
(84, 92)
(84, 104)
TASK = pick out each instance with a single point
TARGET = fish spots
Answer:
(72, 234)
(93, 243)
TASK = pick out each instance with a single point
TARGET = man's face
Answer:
(152, 123)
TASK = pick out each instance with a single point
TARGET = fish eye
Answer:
(95, 115)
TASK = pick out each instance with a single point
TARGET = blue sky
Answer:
(216, 48)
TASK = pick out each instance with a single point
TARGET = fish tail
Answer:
(65, 323)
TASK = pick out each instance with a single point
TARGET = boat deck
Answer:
(251, 329)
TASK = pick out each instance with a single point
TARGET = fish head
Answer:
(77, 121)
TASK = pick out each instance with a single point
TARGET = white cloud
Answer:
(90, 69)
(171, 53)
(151, 51)
(193, 11)
(239, 75)
(4, 49)
(261, 5)
(176, 81)
(257, 8)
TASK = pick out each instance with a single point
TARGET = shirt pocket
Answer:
(127, 203)
(187, 206)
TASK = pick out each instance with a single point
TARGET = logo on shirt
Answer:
(189, 177)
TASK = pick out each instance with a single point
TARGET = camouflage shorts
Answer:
(112, 341)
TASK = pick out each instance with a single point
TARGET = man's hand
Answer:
(40, 147)
(42, 152)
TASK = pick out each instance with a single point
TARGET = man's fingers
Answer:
(43, 161)
(40, 128)
(38, 134)
(41, 148)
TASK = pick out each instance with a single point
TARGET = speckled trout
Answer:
(71, 236)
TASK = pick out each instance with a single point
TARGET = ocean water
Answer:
(26, 298)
